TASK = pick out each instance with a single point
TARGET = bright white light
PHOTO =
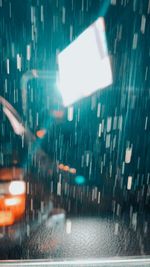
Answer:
(68, 226)
(12, 201)
(99, 197)
(8, 69)
(18, 62)
(84, 66)
(129, 184)
(28, 52)
(128, 155)
(17, 188)
(70, 113)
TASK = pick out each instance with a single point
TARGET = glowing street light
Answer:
(84, 65)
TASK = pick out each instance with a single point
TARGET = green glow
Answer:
(80, 179)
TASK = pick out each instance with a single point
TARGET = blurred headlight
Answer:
(17, 188)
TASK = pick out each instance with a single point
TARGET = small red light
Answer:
(41, 133)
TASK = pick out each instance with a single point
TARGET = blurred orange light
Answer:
(12, 208)
(41, 133)
(66, 168)
(6, 218)
(72, 170)
(7, 174)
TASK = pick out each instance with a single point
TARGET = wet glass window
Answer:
(74, 129)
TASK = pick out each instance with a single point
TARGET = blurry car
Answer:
(25, 200)
(12, 202)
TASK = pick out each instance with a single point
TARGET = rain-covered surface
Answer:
(104, 138)
(84, 238)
